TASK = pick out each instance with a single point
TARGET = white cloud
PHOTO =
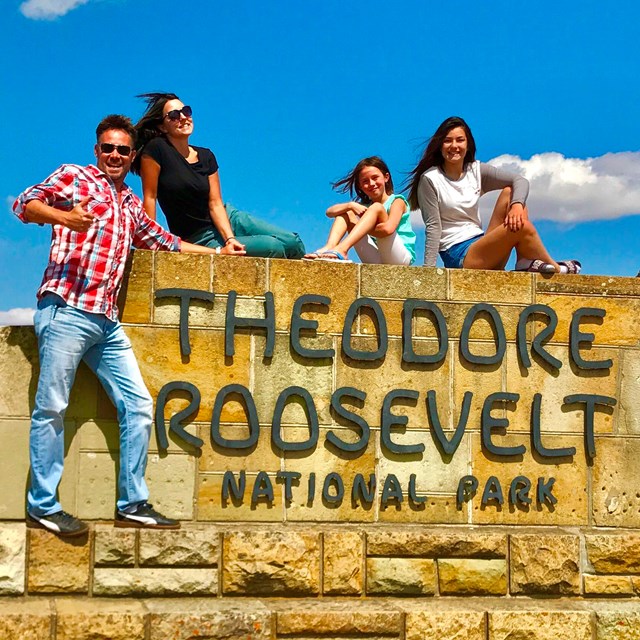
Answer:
(575, 189)
(48, 9)
(15, 317)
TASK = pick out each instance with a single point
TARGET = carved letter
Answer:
(355, 354)
(408, 310)
(489, 423)
(232, 322)
(298, 324)
(577, 337)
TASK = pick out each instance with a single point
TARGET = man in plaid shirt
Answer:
(95, 219)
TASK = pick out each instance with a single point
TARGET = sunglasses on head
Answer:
(174, 114)
(122, 149)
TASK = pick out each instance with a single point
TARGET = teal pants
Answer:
(261, 239)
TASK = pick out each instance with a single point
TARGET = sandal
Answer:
(537, 266)
(573, 266)
(314, 255)
(333, 256)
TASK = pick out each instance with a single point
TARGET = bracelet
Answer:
(226, 242)
(218, 250)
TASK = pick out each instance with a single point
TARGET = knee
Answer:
(293, 247)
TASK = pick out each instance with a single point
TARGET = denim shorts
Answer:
(454, 256)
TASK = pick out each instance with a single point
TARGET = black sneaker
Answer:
(61, 523)
(144, 516)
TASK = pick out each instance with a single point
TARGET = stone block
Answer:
(114, 546)
(322, 461)
(248, 277)
(271, 563)
(13, 547)
(588, 285)
(14, 471)
(570, 488)
(621, 586)
(455, 313)
(545, 564)
(57, 565)
(540, 625)
(343, 563)
(94, 619)
(158, 353)
(155, 582)
(196, 619)
(211, 506)
(378, 378)
(290, 279)
(619, 327)
(96, 485)
(616, 497)
(436, 509)
(392, 310)
(555, 385)
(171, 480)
(338, 619)
(262, 457)
(435, 473)
(26, 619)
(183, 271)
(134, 300)
(401, 576)
(445, 625)
(286, 369)
(618, 625)
(190, 546)
(614, 553)
(390, 281)
(19, 371)
(480, 380)
(472, 577)
(491, 286)
(467, 544)
(628, 414)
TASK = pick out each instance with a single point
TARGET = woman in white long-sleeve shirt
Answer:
(447, 184)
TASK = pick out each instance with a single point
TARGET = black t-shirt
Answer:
(183, 188)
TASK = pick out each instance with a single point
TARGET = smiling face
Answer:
(373, 183)
(180, 128)
(115, 165)
(454, 146)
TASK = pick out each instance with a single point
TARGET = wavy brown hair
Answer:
(350, 182)
(432, 156)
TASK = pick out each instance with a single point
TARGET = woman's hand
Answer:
(516, 217)
(233, 248)
(357, 208)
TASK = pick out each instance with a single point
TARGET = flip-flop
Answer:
(333, 256)
(539, 266)
(573, 266)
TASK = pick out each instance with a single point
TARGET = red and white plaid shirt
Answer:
(86, 268)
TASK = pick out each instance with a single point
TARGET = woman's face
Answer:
(373, 182)
(454, 146)
(174, 122)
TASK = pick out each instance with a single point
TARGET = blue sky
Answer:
(290, 95)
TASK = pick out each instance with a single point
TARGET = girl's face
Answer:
(174, 121)
(454, 146)
(373, 183)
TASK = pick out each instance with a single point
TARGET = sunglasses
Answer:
(174, 114)
(122, 149)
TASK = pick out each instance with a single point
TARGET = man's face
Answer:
(113, 160)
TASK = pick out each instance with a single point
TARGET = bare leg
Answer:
(375, 214)
(341, 225)
(493, 250)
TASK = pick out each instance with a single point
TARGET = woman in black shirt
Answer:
(184, 179)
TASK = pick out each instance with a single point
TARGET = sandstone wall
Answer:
(465, 565)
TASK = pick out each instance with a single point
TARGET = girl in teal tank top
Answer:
(376, 224)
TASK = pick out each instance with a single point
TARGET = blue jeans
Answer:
(261, 239)
(66, 336)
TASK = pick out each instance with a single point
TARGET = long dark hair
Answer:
(350, 182)
(432, 156)
(148, 127)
